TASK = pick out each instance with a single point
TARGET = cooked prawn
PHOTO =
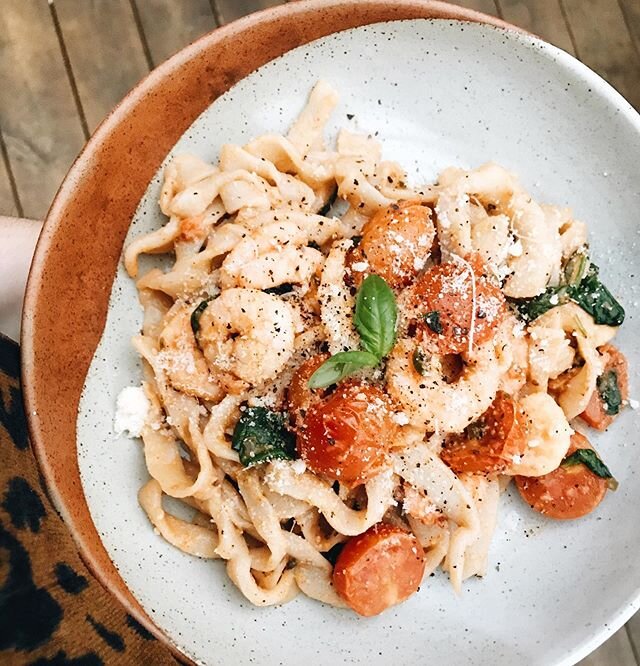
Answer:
(427, 397)
(247, 336)
(270, 256)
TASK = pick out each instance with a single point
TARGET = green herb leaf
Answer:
(433, 321)
(583, 287)
(339, 366)
(419, 360)
(590, 459)
(532, 308)
(593, 297)
(330, 201)
(376, 315)
(281, 289)
(609, 392)
(260, 436)
(197, 313)
(576, 268)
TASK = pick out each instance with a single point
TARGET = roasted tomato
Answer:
(299, 396)
(346, 436)
(395, 244)
(445, 309)
(378, 569)
(489, 444)
(612, 384)
(567, 492)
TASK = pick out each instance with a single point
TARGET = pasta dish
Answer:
(343, 371)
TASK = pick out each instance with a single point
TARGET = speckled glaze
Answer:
(438, 93)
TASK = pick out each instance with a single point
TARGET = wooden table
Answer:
(65, 63)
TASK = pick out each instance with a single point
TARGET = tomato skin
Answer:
(595, 413)
(299, 396)
(346, 436)
(567, 492)
(379, 568)
(447, 289)
(504, 436)
(395, 244)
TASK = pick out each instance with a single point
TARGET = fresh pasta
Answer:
(343, 371)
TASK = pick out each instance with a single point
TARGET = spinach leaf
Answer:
(376, 316)
(590, 459)
(330, 201)
(576, 268)
(433, 321)
(419, 359)
(593, 297)
(260, 436)
(582, 286)
(197, 313)
(609, 392)
(532, 308)
(339, 366)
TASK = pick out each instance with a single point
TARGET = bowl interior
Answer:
(436, 93)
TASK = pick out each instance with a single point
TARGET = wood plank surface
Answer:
(603, 42)
(169, 25)
(38, 114)
(633, 630)
(105, 51)
(541, 17)
(8, 204)
(484, 6)
(230, 10)
(631, 11)
(617, 651)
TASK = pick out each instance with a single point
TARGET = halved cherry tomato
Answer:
(567, 492)
(346, 436)
(395, 244)
(490, 443)
(595, 413)
(299, 396)
(378, 569)
(443, 300)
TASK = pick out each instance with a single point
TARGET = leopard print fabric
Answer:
(52, 611)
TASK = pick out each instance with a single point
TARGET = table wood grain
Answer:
(65, 63)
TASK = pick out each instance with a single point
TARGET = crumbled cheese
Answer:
(299, 466)
(132, 407)
(515, 249)
(360, 266)
(400, 418)
(634, 404)
(554, 300)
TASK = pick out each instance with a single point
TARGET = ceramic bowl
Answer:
(452, 91)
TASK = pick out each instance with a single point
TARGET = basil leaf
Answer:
(340, 365)
(609, 392)
(197, 313)
(590, 459)
(376, 315)
(593, 297)
(433, 321)
(260, 436)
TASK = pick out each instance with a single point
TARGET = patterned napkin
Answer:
(52, 610)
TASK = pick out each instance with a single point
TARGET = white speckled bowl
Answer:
(437, 93)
